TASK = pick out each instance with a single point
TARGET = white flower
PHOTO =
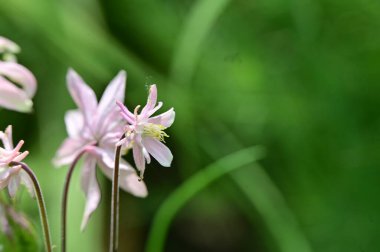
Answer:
(145, 134)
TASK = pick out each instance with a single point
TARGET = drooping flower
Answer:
(17, 84)
(95, 128)
(146, 134)
(12, 175)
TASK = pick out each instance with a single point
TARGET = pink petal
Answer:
(25, 179)
(165, 119)
(129, 181)
(112, 123)
(139, 158)
(125, 113)
(158, 150)
(20, 75)
(152, 100)
(6, 138)
(4, 174)
(74, 123)
(14, 183)
(69, 150)
(14, 98)
(83, 96)
(115, 91)
(152, 111)
(90, 187)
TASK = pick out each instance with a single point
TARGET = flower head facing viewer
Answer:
(94, 128)
(12, 176)
(17, 84)
(146, 134)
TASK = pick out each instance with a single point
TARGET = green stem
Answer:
(65, 199)
(41, 204)
(114, 231)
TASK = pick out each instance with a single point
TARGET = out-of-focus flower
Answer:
(9, 217)
(12, 175)
(17, 84)
(95, 128)
(8, 48)
(145, 134)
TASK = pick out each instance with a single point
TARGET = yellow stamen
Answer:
(156, 131)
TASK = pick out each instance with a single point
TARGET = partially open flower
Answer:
(146, 134)
(17, 84)
(12, 175)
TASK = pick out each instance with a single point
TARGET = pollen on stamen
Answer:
(155, 131)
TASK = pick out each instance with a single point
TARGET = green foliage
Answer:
(20, 238)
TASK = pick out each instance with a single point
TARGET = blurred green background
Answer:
(300, 78)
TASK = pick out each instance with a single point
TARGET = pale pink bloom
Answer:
(17, 84)
(12, 175)
(96, 127)
(145, 134)
(17, 87)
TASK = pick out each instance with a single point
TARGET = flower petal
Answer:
(14, 183)
(74, 123)
(20, 75)
(90, 187)
(69, 150)
(83, 96)
(158, 150)
(25, 179)
(7, 45)
(6, 138)
(139, 158)
(14, 98)
(115, 91)
(165, 119)
(125, 113)
(129, 180)
(152, 100)
(152, 111)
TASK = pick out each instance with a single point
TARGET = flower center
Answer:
(156, 131)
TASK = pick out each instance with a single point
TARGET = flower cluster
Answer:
(95, 128)
(97, 132)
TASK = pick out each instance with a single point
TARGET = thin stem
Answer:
(114, 231)
(64, 200)
(41, 204)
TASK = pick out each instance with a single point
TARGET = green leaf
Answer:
(191, 187)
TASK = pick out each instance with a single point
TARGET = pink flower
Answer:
(12, 176)
(17, 84)
(96, 127)
(145, 134)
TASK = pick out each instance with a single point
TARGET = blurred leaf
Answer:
(191, 187)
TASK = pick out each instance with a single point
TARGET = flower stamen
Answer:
(155, 131)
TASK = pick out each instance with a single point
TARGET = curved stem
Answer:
(114, 231)
(64, 200)
(41, 204)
